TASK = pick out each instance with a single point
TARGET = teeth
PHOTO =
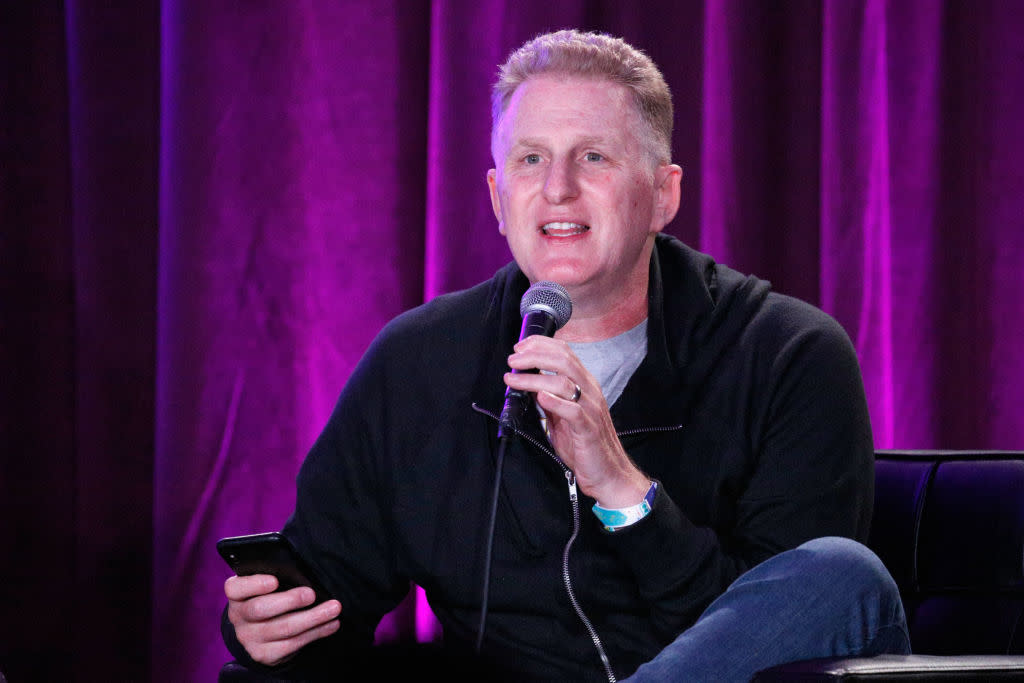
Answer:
(561, 229)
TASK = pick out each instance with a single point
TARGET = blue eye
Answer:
(532, 158)
(593, 156)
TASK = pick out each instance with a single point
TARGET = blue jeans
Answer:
(830, 597)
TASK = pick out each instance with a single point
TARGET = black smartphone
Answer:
(269, 553)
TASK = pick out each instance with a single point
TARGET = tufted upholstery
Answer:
(949, 525)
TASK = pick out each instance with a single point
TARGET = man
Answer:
(737, 433)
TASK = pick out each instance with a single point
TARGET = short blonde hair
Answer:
(595, 55)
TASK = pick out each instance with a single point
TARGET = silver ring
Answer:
(576, 394)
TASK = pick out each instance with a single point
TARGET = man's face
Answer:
(576, 192)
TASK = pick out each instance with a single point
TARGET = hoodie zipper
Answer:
(567, 579)
(574, 501)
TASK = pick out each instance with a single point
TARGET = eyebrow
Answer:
(582, 142)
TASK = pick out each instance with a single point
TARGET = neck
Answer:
(598, 320)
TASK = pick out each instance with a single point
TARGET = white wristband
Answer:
(617, 518)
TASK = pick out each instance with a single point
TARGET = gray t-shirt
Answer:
(613, 361)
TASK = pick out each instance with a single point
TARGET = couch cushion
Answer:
(949, 526)
(972, 528)
(900, 486)
(958, 624)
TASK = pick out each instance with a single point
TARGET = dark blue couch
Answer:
(949, 525)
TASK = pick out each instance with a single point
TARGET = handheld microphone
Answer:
(545, 308)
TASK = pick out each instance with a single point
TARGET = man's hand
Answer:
(271, 626)
(581, 431)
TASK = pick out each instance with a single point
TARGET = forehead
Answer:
(561, 106)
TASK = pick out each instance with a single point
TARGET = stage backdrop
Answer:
(208, 210)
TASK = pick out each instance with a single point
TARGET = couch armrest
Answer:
(233, 672)
(899, 668)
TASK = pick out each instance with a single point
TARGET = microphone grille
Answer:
(547, 296)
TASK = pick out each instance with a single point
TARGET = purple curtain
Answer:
(208, 210)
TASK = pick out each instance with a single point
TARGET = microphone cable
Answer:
(489, 546)
(545, 308)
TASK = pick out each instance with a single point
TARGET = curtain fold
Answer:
(759, 135)
(78, 113)
(291, 220)
(208, 210)
(113, 88)
(37, 350)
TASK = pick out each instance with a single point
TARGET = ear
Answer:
(667, 182)
(492, 186)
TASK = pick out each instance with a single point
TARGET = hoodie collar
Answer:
(697, 310)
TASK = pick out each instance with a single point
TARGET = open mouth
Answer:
(561, 229)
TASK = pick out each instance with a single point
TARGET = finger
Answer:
(292, 624)
(271, 605)
(545, 345)
(559, 359)
(556, 385)
(561, 408)
(275, 651)
(539, 341)
(306, 637)
(245, 587)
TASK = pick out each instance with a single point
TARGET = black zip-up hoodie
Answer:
(748, 409)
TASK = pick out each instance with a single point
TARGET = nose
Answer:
(561, 183)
